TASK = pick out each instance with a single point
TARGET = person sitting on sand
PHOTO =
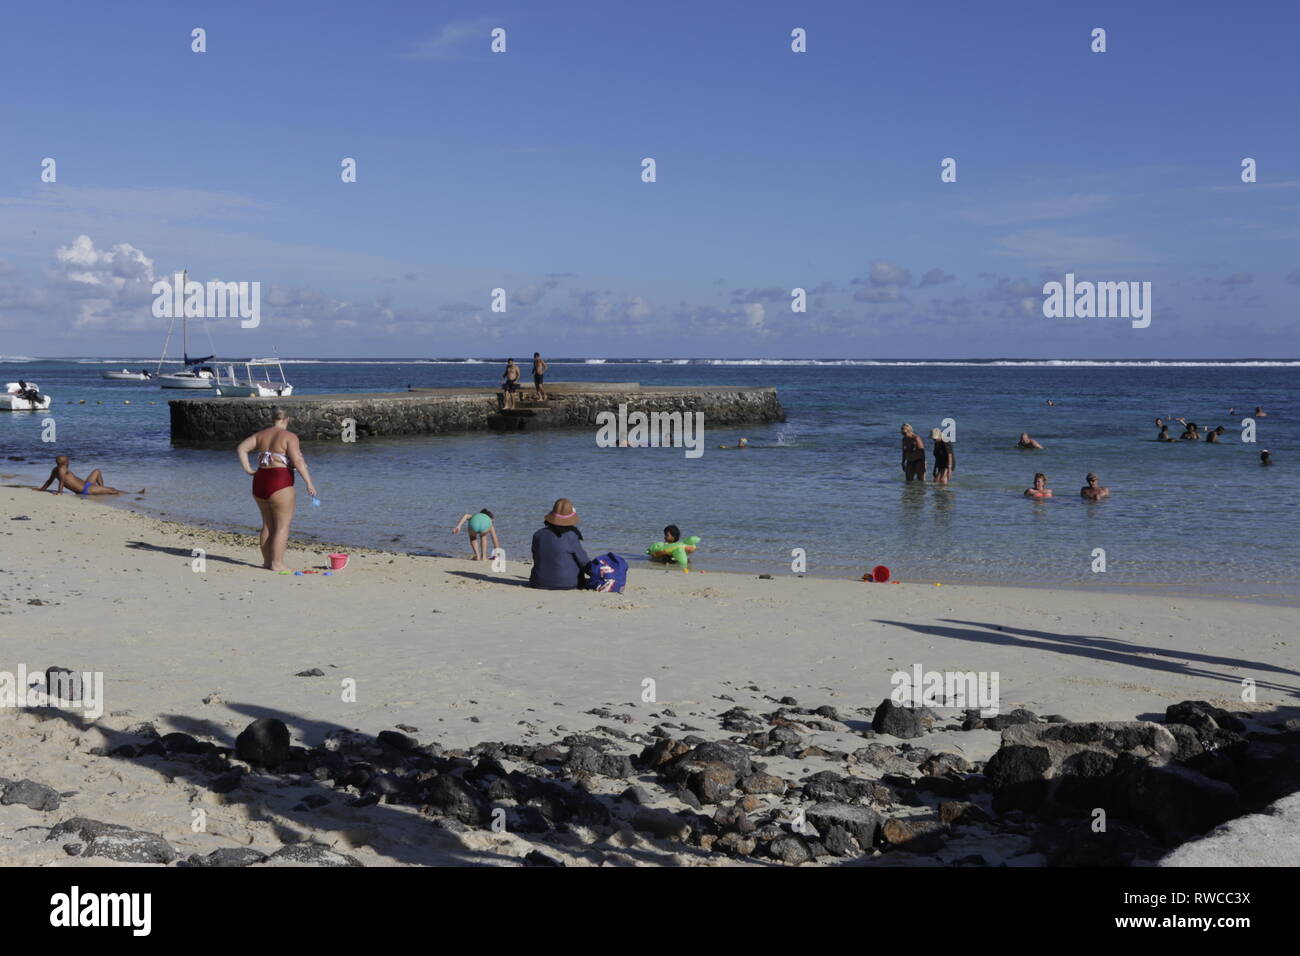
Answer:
(93, 484)
(480, 526)
(1266, 457)
(1212, 436)
(1026, 442)
(1040, 489)
(913, 446)
(1093, 491)
(558, 557)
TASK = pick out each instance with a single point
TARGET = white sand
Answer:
(467, 655)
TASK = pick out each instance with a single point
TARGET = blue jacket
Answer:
(558, 559)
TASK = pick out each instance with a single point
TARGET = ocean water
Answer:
(1187, 516)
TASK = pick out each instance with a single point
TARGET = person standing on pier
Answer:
(510, 382)
(539, 371)
(278, 454)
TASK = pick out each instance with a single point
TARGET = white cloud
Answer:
(453, 41)
(888, 274)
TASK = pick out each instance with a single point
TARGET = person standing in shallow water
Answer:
(913, 454)
(278, 454)
(945, 461)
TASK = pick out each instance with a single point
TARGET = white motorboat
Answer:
(24, 397)
(126, 376)
(250, 386)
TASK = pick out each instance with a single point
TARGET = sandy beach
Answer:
(465, 655)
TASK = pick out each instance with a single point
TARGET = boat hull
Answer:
(253, 391)
(180, 381)
(124, 376)
(12, 400)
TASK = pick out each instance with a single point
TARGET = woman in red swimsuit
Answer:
(278, 455)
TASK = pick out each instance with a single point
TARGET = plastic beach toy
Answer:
(880, 574)
(338, 561)
(315, 502)
(678, 551)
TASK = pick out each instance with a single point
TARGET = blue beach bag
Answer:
(606, 573)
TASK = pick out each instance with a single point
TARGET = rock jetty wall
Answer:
(444, 411)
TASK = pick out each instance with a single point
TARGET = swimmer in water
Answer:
(1093, 491)
(1265, 457)
(1040, 489)
(1164, 434)
(1050, 402)
(1259, 412)
(1026, 442)
(1212, 436)
(1189, 431)
(742, 443)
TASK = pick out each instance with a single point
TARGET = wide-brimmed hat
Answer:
(563, 513)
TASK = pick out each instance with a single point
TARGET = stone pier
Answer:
(437, 411)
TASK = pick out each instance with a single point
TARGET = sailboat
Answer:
(196, 374)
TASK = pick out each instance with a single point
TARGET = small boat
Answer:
(126, 376)
(24, 397)
(194, 376)
(231, 386)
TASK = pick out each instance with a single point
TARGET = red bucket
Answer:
(880, 574)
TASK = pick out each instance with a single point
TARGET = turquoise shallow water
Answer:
(1189, 516)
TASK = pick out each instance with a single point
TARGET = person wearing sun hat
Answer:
(558, 556)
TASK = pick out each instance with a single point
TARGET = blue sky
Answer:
(775, 170)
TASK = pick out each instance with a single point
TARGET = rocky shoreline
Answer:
(1054, 792)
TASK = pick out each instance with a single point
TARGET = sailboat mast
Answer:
(185, 326)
